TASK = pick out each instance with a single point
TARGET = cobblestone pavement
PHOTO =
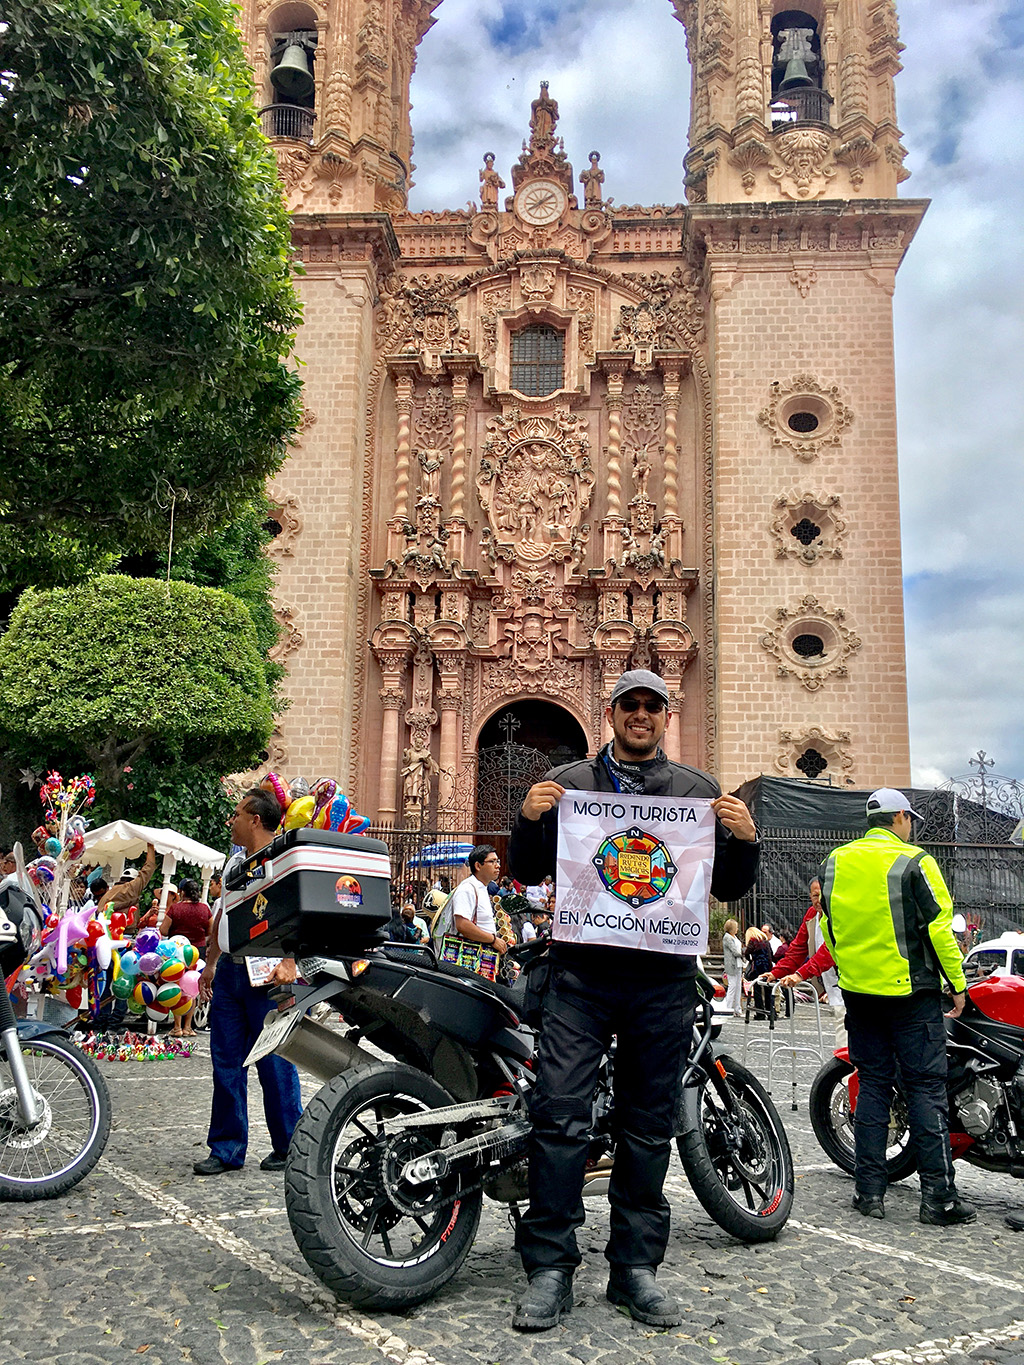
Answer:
(144, 1258)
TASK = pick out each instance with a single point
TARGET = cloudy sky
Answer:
(619, 72)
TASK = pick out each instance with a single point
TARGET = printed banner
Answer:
(634, 871)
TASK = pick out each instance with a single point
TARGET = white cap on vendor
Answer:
(639, 680)
(889, 801)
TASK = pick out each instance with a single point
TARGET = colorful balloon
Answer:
(146, 941)
(299, 813)
(169, 995)
(172, 970)
(130, 963)
(190, 956)
(144, 993)
(189, 985)
(150, 963)
(121, 987)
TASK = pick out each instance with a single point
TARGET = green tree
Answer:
(102, 672)
(146, 304)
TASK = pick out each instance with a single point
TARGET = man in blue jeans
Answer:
(236, 1020)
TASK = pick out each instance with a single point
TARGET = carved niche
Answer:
(535, 483)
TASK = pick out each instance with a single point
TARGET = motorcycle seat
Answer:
(512, 996)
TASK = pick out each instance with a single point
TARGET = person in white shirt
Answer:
(470, 903)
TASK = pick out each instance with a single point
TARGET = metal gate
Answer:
(505, 773)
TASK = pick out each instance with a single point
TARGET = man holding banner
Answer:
(636, 861)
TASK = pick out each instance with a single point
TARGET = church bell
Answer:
(796, 75)
(292, 78)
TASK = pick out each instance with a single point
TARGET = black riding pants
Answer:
(653, 1023)
(909, 1031)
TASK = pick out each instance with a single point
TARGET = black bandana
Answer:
(630, 777)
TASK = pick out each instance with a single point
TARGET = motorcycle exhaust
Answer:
(321, 1051)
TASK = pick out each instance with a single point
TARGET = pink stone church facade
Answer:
(547, 439)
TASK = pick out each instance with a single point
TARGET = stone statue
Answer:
(490, 183)
(418, 766)
(592, 181)
(543, 115)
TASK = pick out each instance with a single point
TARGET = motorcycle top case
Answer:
(309, 891)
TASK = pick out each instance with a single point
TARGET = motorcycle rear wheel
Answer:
(46, 1161)
(832, 1121)
(360, 1234)
(736, 1154)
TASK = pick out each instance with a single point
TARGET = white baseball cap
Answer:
(888, 801)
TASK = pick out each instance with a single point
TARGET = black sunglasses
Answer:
(630, 704)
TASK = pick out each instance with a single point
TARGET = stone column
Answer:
(615, 368)
(671, 521)
(392, 697)
(461, 369)
(404, 374)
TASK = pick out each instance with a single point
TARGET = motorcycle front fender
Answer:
(37, 1028)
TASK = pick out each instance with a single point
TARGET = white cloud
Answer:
(619, 71)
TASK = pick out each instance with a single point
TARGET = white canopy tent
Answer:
(113, 844)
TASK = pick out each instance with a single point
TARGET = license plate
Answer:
(276, 1032)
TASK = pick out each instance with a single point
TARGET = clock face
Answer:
(541, 202)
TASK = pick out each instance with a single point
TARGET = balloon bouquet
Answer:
(322, 806)
(85, 949)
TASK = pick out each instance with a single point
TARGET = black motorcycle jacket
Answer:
(533, 846)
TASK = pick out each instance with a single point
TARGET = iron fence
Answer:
(287, 120)
(410, 876)
(986, 881)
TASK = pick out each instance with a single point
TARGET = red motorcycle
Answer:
(985, 1052)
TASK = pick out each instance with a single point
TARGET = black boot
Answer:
(945, 1212)
(870, 1205)
(548, 1297)
(634, 1287)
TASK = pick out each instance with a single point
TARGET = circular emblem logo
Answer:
(347, 891)
(635, 867)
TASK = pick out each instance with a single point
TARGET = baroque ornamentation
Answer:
(291, 636)
(747, 158)
(285, 509)
(535, 483)
(670, 319)
(808, 527)
(433, 439)
(813, 752)
(558, 677)
(806, 169)
(811, 642)
(802, 277)
(537, 281)
(856, 155)
(805, 415)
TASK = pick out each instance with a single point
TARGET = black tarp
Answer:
(800, 822)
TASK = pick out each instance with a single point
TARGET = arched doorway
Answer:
(516, 747)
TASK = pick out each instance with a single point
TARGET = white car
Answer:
(1002, 956)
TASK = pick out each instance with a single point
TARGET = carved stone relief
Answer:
(535, 483)
(811, 642)
(808, 527)
(805, 415)
(814, 752)
(806, 167)
(291, 636)
(285, 509)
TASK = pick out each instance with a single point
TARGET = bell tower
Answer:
(791, 99)
(791, 175)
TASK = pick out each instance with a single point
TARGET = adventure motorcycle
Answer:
(985, 1055)
(390, 1161)
(54, 1103)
